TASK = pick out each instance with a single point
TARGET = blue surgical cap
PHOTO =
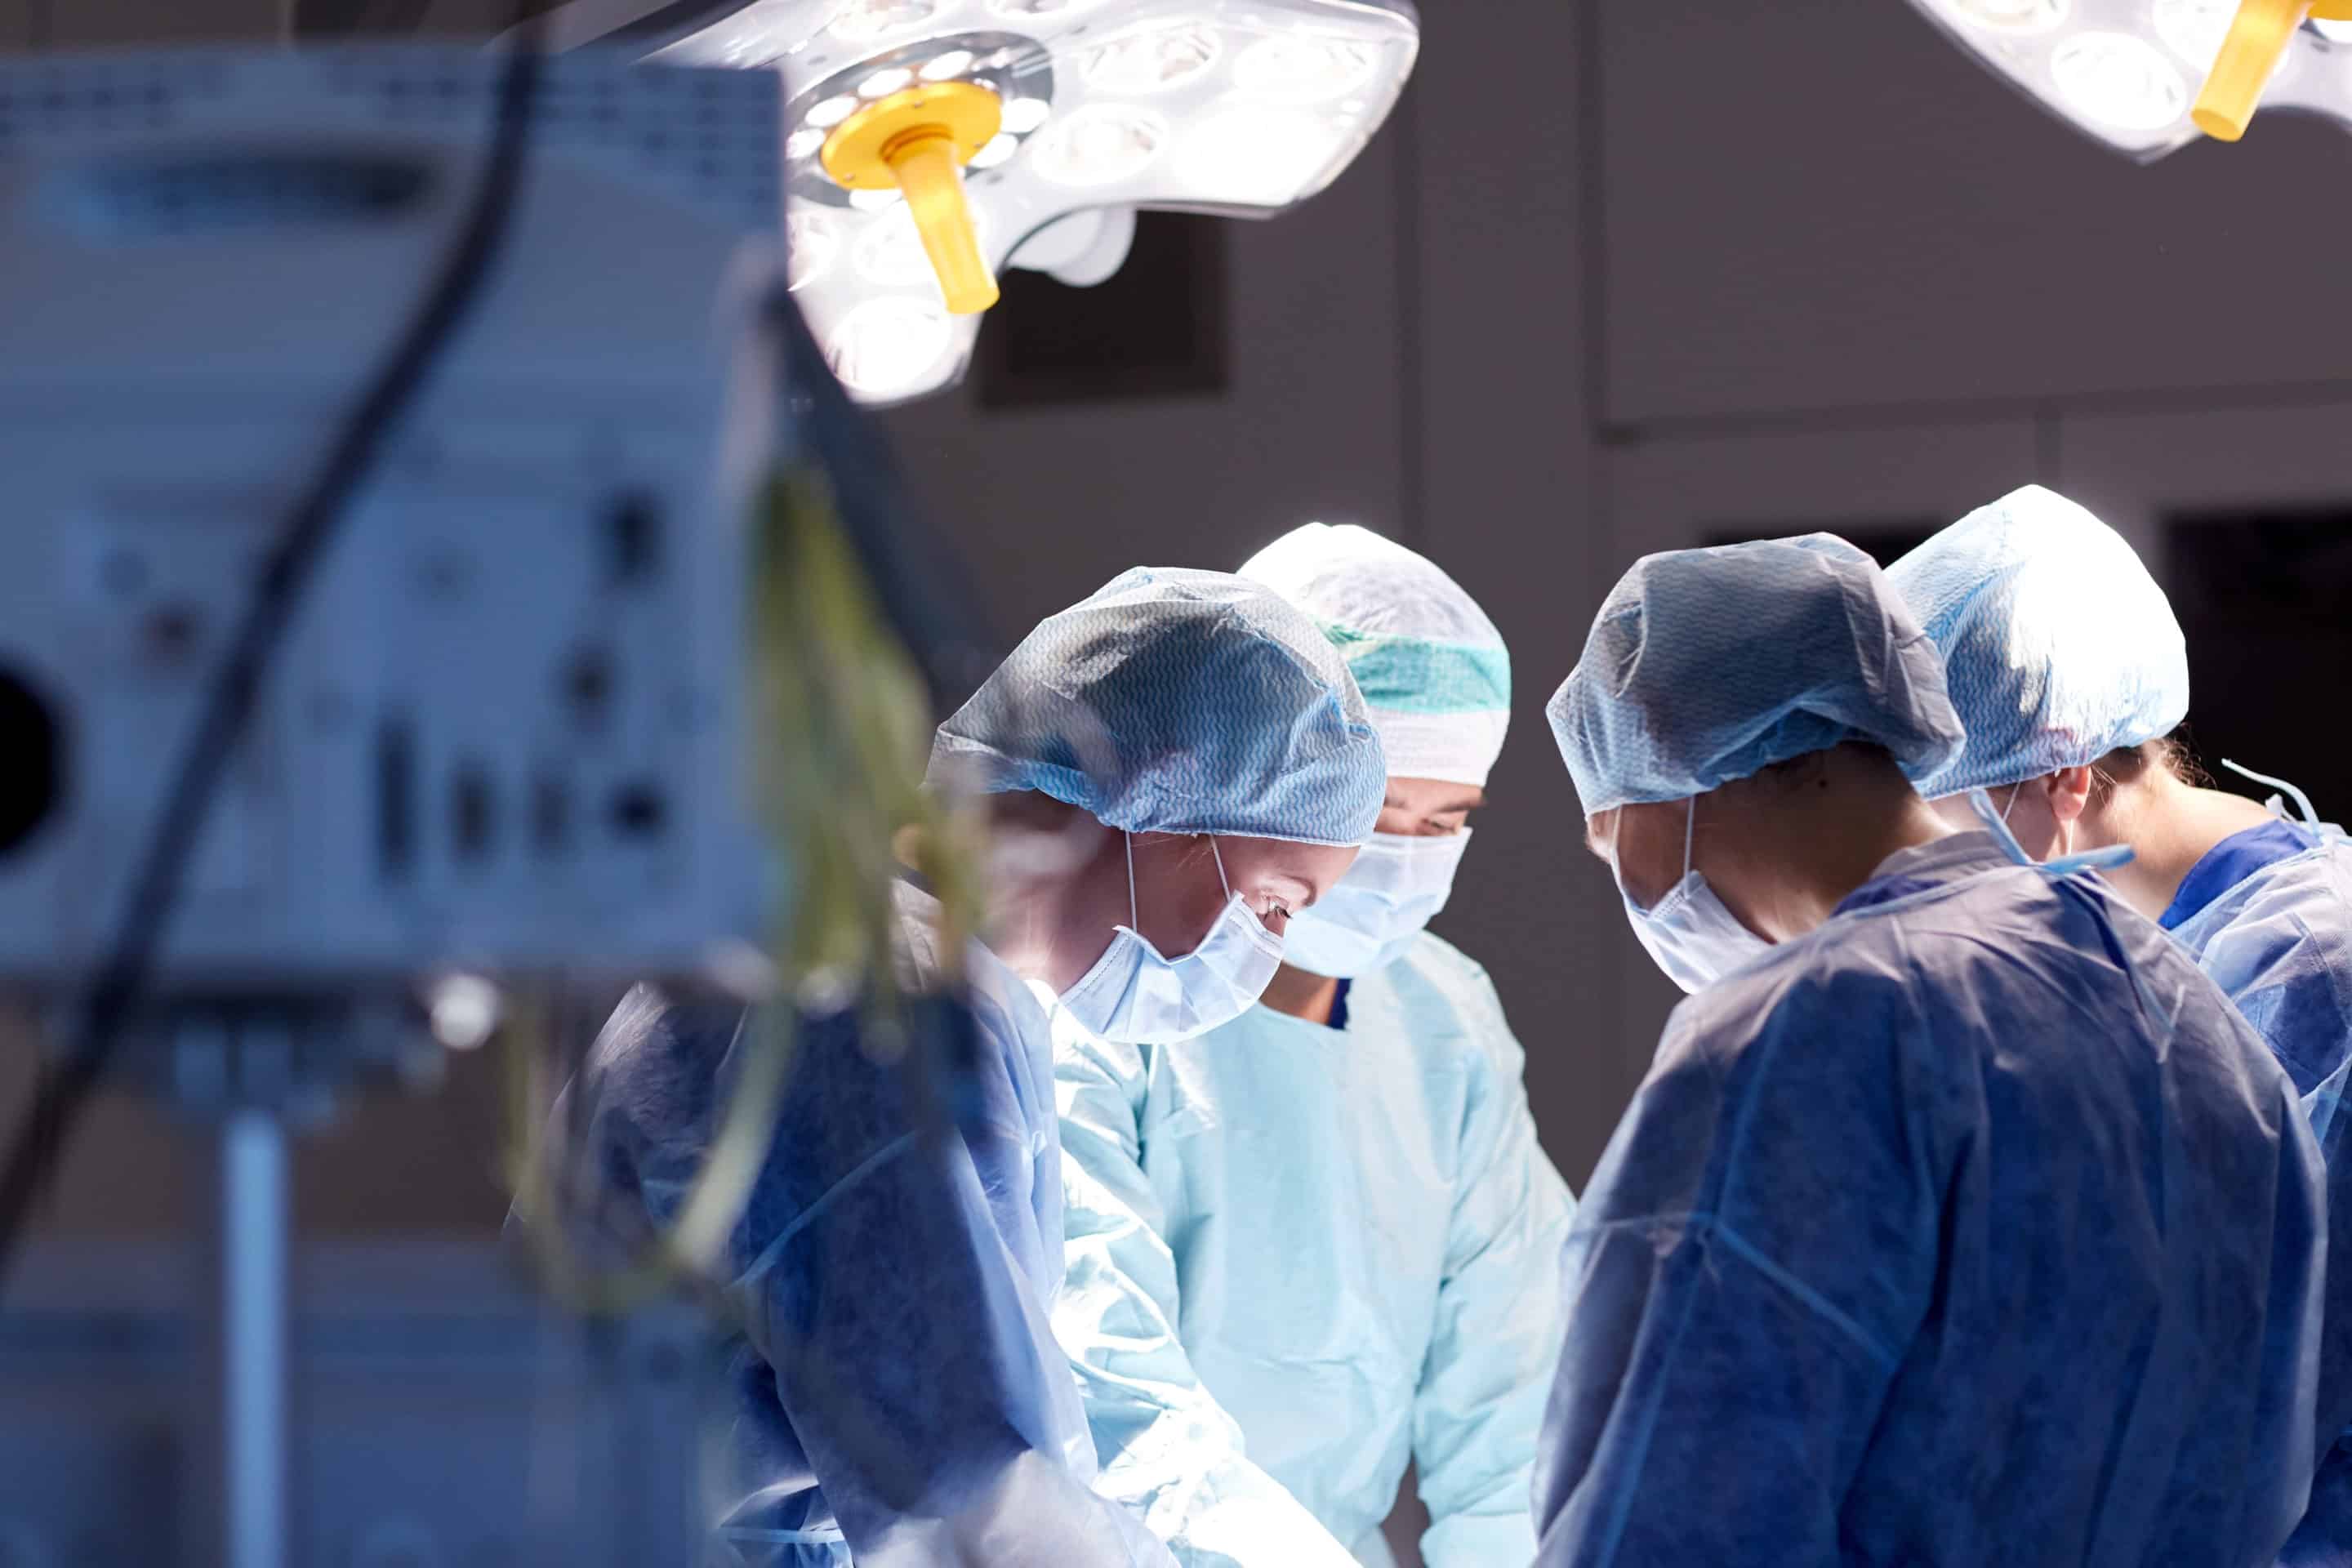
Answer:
(1177, 702)
(1706, 666)
(2058, 646)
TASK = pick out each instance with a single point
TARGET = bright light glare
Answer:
(463, 1011)
(863, 21)
(1263, 156)
(999, 148)
(2196, 29)
(945, 66)
(804, 142)
(2333, 32)
(890, 345)
(874, 201)
(1023, 115)
(2011, 16)
(1042, 7)
(1154, 61)
(2119, 81)
(891, 253)
(883, 83)
(811, 243)
(832, 112)
(1305, 69)
(1099, 144)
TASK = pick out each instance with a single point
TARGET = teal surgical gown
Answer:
(1300, 1256)
(1974, 1227)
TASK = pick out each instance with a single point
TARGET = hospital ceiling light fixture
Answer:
(972, 136)
(2146, 77)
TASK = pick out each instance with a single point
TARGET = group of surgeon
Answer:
(1976, 1208)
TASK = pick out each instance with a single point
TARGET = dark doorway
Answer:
(2265, 599)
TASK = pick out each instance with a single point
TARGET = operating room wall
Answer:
(1620, 276)
(1844, 278)
(1676, 273)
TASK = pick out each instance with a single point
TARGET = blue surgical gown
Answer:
(899, 1394)
(1301, 1257)
(2267, 913)
(1973, 1227)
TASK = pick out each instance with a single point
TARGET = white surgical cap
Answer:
(1706, 666)
(1177, 702)
(1431, 665)
(2058, 646)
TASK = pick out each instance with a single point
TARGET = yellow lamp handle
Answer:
(918, 140)
(931, 175)
(2259, 35)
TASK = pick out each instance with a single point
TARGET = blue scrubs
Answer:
(898, 1392)
(1973, 1227)
(2268, 915)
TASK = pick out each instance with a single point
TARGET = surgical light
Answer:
(812, 242)
(1003, 146)
(1101, 144)
(888, 345)
(2195, 29)
(994, 120)
(863, 21)
(1253, 147)
(890, 252)
(2118, 81)
(2015, 16)
(1154, 61)
(2146, 77)
(1304, 69)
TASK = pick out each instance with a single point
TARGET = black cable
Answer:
(65, 1091)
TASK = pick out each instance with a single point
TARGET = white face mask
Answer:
(1397, 885)
(1689, 932)
(1134, 995)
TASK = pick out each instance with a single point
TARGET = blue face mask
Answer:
(1689, 932)
(1136, 996)
(1396, 887)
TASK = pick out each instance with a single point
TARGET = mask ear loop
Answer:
(2310, 817)
(1221, 867)
(2015, 790)
(1690, 827)
(1134, 920)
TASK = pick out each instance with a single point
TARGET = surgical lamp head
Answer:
(930, 144)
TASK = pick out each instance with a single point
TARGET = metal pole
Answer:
(254, 1292)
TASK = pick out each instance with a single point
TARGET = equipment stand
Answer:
(253, 1225)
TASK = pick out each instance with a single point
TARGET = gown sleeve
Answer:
(877, 1280)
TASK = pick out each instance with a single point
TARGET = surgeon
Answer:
(1181, 761)
(2069, 671)
(1321, 1240)
(1959, 1219)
